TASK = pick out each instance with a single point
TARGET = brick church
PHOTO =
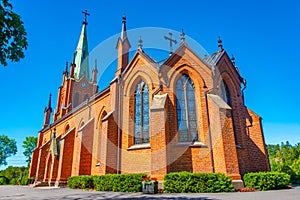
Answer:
(185, 113)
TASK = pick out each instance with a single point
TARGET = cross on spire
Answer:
(171, 41)
(85, 12)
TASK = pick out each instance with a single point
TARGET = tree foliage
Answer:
(285, 158)
(8, 147)
(266, 180)
(13, 39)
(29, 145)
(15, 175)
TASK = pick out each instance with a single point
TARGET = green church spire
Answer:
(82, 54)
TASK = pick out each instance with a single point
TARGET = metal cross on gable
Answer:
(171, 41)
(85, 12)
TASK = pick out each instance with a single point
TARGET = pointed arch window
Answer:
(186, 110)
(224, 93)
(86, 97)
(141, 114)
(67, 128)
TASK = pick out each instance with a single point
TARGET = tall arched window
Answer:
(141, 114)
(186, 110)
(224, 93)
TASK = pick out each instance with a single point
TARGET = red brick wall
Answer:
(67, 156)
(256, 146)
(112, 146)
(98, 141)
(86, 149)
(33, 163)
(158, 142)
(54, 168)
(41, 163)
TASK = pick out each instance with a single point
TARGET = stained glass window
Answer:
(141, 114)
(186, 110)
(224, 93)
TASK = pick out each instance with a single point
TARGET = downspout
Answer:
(209, 131)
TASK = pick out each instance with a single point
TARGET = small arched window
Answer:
(67, 128)
(82, 124)
(141, 114)
(86, 97)
(186, 110)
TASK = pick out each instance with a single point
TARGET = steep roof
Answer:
(142, 53)
(81, 57)
(213, 58)
(123, 35)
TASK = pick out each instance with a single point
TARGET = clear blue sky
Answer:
(263, 36)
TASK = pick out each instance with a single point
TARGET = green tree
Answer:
(15, 175)
(8, 147)
(285, 158)
(13, 39)
(29, 145)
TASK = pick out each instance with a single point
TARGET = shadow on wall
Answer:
(183, 162)
(257, 159)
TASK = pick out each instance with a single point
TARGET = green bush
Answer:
(186, 182)
(119, 182)
(109, 182)
(4, 180)
(81, 182)
(267, 180)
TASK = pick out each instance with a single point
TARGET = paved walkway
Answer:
(50, 193)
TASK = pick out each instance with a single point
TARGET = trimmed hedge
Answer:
(186, 182)
(119, 182)
(109, 182)
(81, 182)
(267, 180)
